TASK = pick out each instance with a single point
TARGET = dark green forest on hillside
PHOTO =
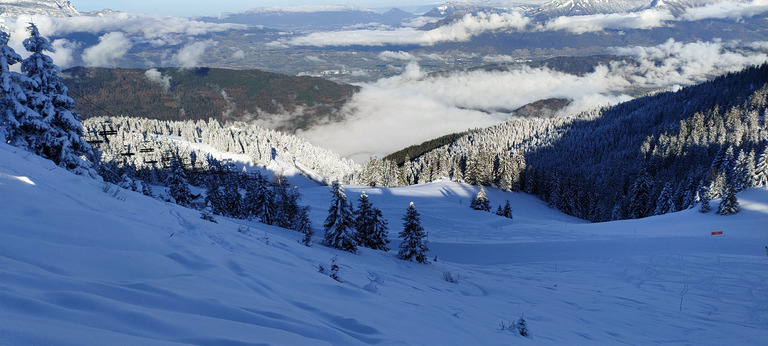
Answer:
(202, 93)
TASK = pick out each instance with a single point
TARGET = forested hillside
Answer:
(281, 102)
(130, 145)
(652, 155)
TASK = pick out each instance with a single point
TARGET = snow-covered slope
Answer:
(51, 8)
(80, 266)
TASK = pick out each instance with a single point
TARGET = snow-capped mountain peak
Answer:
(51, 8)
(588, 7)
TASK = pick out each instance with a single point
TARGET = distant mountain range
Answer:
(331, 17)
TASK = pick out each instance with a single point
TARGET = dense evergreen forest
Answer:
(655, 154)
(198, 94)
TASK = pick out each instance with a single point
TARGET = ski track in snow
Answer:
(78, 266)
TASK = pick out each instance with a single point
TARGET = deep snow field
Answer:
(81, 266)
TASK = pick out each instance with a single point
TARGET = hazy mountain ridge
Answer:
(312, 17)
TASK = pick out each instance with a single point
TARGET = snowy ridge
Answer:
(558, 8)
(51, 8)
(81, 266)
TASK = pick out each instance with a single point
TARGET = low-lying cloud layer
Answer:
(396, 112)
(473, 25)
(466, 28)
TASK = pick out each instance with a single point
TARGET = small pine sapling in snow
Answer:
(207, 215)
(507, 211)
(449, 277)
(333, 272)
(306, 239)
(522, 326)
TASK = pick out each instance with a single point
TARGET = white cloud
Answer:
(646, 19)
(314, 59)
(393, 113)
(111, 46)
(63, 55)
(493, 59)
(461, 31)
(419, 22)
(400, 55)
(238, 54)
(156, 76)
(146, 26)
(676, 63)
(189, 55)
(433, 57)
(726, 10)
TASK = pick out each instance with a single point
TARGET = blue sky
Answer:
(212, 7)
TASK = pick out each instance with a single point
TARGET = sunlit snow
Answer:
(79, 266)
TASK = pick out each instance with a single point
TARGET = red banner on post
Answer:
(717, 233)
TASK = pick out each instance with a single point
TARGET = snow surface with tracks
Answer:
(80, 266)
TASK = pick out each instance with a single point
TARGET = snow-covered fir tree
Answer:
(176, 181)
(729, 203)
(13, 108)
(214, 197)
(505, 211)
(704, 199)
(287, 202)
(265, 206)
(61, 137)
(340, 224)
(640, 196)
(761, 169)
(303, 225)
(481, 202)
(413, 246)
(664, 203)
(370, 224)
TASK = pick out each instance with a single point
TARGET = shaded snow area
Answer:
(81, 266)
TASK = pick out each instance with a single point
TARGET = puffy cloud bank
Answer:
(727, 9)
(463, 30)
(112, 46)
(189, 55)
(390, 114)
(646, 19)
